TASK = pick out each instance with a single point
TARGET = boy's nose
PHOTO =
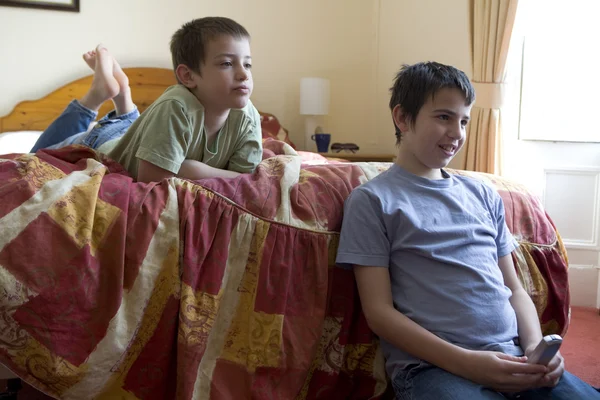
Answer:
(456, 132)
(242, 75)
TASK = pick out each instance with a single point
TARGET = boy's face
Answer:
(225, 79)
(436, 135)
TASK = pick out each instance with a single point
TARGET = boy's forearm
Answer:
(410, 337)
(195, 170)
(528, 322)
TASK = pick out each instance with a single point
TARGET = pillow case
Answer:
(18, 142)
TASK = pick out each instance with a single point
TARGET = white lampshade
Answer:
(314, 96)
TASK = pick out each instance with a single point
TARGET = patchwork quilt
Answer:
(215, 289)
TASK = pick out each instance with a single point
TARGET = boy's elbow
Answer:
(377, 318)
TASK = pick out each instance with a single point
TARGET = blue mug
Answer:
(322, 140)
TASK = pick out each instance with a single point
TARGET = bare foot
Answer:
(104, 85)
(119, 75)
(90, 59)
(122, 101)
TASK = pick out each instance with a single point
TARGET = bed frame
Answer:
(147, 84)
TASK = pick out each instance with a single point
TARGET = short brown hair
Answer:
(415, 84)
(188, 44)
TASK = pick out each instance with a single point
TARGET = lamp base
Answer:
(311, 124)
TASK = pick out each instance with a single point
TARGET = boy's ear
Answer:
(185, 76)
(400, 118)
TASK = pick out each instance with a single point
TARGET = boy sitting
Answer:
(203, 127)
(431, 254)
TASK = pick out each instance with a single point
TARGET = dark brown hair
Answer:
(414, 84)
(188, 44)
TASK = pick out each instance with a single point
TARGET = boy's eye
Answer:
(464, 122)
(248, 66)
(444, 117)
(226, 64)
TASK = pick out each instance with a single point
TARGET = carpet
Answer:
(581, 345)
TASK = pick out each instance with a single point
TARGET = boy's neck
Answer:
(214, 121)
(411, 164)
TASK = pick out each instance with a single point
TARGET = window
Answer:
(560, 77)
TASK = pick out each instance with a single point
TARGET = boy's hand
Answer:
(556, 368)
(502, 372)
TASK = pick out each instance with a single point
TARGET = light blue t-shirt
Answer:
(441, 240)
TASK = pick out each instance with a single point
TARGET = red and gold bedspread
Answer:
(220, 289)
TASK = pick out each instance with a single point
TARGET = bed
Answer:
(216, 289)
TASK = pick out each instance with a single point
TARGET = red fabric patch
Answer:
(230, 381)
(53, 250)
(341, 300)
(559, 298)
(14, 189)
(153, 375)
(14, 194)
(72, 315)
(300, 339)
(146, 204)
(326, 386)
(188, 361)
(206, 240)
(276, 383)
(293, 283)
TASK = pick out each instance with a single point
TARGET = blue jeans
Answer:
(426, 382)
(72, 125)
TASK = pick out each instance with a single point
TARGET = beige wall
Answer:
(411, 31)
(357, 44)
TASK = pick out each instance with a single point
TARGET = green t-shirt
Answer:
(172, 130)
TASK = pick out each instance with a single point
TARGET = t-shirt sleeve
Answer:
(166, 137)
(505, 242)
(249, 151)
(363, 238)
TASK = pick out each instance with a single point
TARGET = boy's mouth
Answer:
(448, 149)
(242, 89)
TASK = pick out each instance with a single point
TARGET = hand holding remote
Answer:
(545, 350)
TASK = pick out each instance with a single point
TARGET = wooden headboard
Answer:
(147, 84)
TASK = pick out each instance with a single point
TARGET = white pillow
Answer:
(18, 142)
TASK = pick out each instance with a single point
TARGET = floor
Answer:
(581, 345)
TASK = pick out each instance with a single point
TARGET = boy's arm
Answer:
(195, 170)
(528, 322)
(496, 370)
(148, 172)
(190, 169)
(249, 150)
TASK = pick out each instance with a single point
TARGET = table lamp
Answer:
(314, 101)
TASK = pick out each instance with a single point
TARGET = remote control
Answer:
(544, 351)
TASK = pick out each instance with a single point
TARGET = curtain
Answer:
(492, 22)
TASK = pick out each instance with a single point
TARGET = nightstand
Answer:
(361, 157)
